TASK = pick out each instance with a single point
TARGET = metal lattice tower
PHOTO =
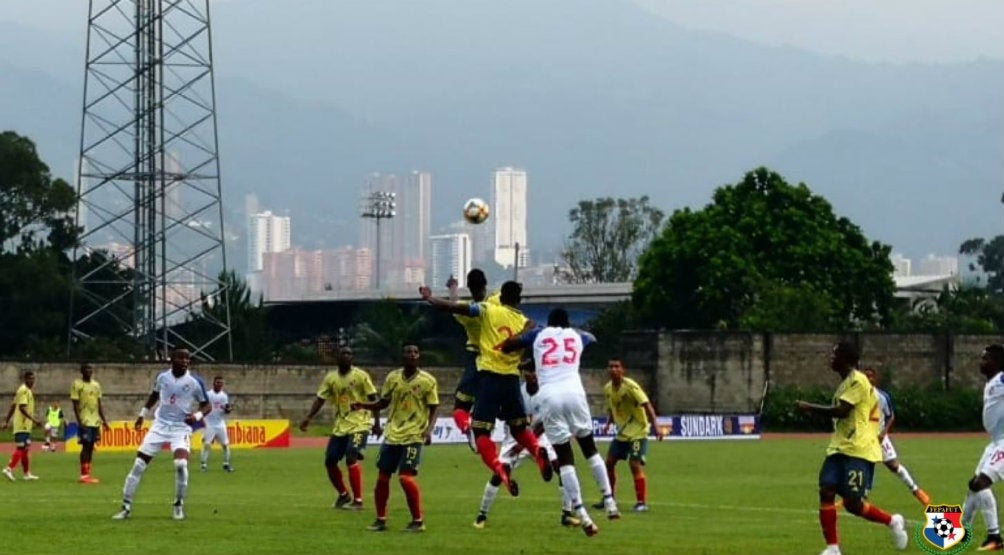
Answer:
(149, 180)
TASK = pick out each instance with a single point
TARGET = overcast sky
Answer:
(874, 30)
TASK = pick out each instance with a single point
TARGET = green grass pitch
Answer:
(706, 498)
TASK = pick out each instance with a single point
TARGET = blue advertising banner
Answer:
(694, 426)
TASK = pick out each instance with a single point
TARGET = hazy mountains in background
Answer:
(592, 99)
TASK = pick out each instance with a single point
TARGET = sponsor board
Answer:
(695, 426)
(244, 434)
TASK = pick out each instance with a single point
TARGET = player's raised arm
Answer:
(446, 305)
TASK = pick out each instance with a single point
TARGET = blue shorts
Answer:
(22, 439)
(499, 397)
(851, 476)
(340, 447)
(633, 450)
(89, 434)
(467, 388)
(400, 458)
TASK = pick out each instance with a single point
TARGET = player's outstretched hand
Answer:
(227, 408)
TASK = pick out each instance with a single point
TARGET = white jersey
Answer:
(217, 416)
(886, 410)
(177, 396)
(993, 407)
(556, 354)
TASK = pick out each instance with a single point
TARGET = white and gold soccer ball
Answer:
(476, 210)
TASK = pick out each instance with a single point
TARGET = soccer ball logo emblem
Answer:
(476, 211)
(944, 528)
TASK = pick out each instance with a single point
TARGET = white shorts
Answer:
(564, 413)
(992, 462)
(888, 451)
(513, 453)
(174, 435)
(217, 432)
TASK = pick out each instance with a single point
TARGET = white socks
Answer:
(904, 475)
(599, 469)
(132, 481)
(488, 497)
(180, 480)
(985, 502)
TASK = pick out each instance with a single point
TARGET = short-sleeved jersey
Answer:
(472, 324)
(993, 407)
(410, 399)
(342, 391)
(626, 404)
(177, 396)
(87, 395)
(886, 407)
(856, 435)
(26, 397)
(219, 401)
(498, 323)
(557, 353)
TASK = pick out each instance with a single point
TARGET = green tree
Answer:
(990, 257)
(608, 236)
(36, 211)
(967, 309)
(382, 328)
(758, 242)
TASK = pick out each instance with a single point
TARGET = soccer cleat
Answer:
(354, 506)
(922, 496)
(481, 520)
(590, 529)
(898, 528)
(994, 542)
(831, 550)
(88, 479)
(9, 473)
(640, 508)
(179, 511)
(544, 464)
(29, 477)
(513, 487)
(378, 526)
(472, 441)
(228, 468)
(123, 514)
(570, 520)
(343, 500)
(415, 526)
(613, 513)
(507, 481)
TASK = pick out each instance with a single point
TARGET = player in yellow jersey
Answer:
(85, 393)
(413, 396)
(467, 387)
(343, 387)
(630, 409)
(23, 411)
(499, 396)
(852, 452)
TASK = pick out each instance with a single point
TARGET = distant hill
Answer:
(600, 100)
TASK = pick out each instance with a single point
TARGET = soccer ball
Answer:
(476, 211)
(944, 528)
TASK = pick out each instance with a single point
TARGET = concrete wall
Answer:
(682, 371)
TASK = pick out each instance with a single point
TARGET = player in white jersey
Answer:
(563, 408)
(887, 416)
(991, 466)
(176, 390)
(216, 425)
(513, 454)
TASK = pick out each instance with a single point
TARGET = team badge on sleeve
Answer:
(942, 530)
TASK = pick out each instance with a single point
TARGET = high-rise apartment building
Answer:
(403, 238)
(938, 266)
(266, 233)
(450, 255)
(509, 217)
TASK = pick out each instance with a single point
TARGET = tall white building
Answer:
(266, 233)
(509, 217)
(450, 255)
(938, 266)
(901, 266)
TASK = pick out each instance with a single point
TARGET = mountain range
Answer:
(593, 99)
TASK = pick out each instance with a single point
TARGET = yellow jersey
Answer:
(23, 396)
(626, 405)
(472, 324)
(498, 323)
(343, 390)
(87, 395)
(410, 399)
(856, 435)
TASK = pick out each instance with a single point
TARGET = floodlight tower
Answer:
(148, 181)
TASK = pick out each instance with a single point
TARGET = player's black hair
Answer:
(511, 293)
(476, 278)
(558, 317)
(27, 374)
(217, 377)
(849, 352)
(996, 352)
